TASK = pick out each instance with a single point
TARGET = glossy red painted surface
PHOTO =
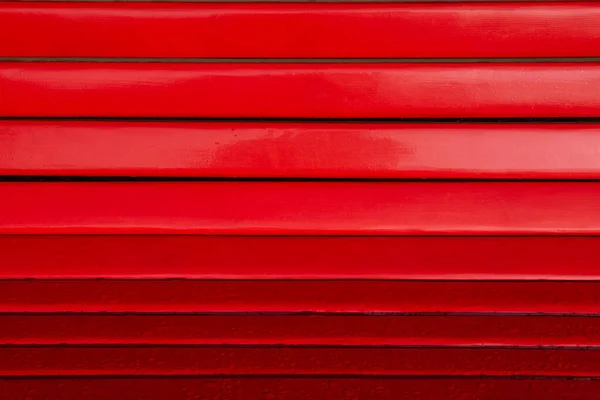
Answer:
(302, 362)
(300, 30)
(299, 330)
(301, 208)
(315, 150)
(289, 296)
(392, 90)
(289, 257)
(323, 388)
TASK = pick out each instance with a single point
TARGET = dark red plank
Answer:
(333, 296)
(231, 257)
(144, 361)
(299, 330)
(300, 389)
(301, 208)
(315, 150)
(300, 90)
(297, 30)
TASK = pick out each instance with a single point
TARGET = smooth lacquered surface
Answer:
(301, 208)
(315, 150)
(300, 30)
(318, 388)
(255, 90)
(289, 257)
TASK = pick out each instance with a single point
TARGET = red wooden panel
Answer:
(231, 257)
(190, 296)
(298, 208)
(300, 330)
(316, 150)
(300, 389)
(300, 90)
(143, 361)
(309, 30)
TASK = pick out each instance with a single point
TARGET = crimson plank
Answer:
(325, 296)
(300, 330)
(300, 30)
(259, 90)
(301, 208)
(290, 257)
(195, 361)
(300, 389)
(313, 150)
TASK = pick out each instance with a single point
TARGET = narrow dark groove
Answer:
(117, 178)
(307, 376)
(505, 120)
(296, 314)
(301, 60)
(473, 347)
(288, 280)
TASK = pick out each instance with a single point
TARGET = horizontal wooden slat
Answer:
(330, 296)
(300, 90)
(300, 389)
(296, 30)
(143, 361)
(315, 150)
(231, 257)
(300, 330)
(301, 208)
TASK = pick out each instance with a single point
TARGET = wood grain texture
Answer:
(301, 208)
(300, 30)
(258, 90)
(299, 150)
(293, 257)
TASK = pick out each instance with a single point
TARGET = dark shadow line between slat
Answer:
(275, 180)
(267, 61)
(256, 121)
(290, 280)
(343, 314)
(292, 376)
(298, 346)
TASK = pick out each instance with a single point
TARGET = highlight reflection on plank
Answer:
(301, 208)
(297, 150)
(258, 90)
(296, 30)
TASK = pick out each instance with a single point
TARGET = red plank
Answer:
(315, 150)
(300, 30)
(335, 296)
(300, 90)
(301, 208)
(299, 330)
(300, 389)
(194, 361)
(231, 257)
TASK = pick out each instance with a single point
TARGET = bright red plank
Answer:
(300, 389)
(333, 296)
(299, 330)
(177, 361)
(315, 150)
(252, 257)
(301, 208)
(296, 30)
(300, 90)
